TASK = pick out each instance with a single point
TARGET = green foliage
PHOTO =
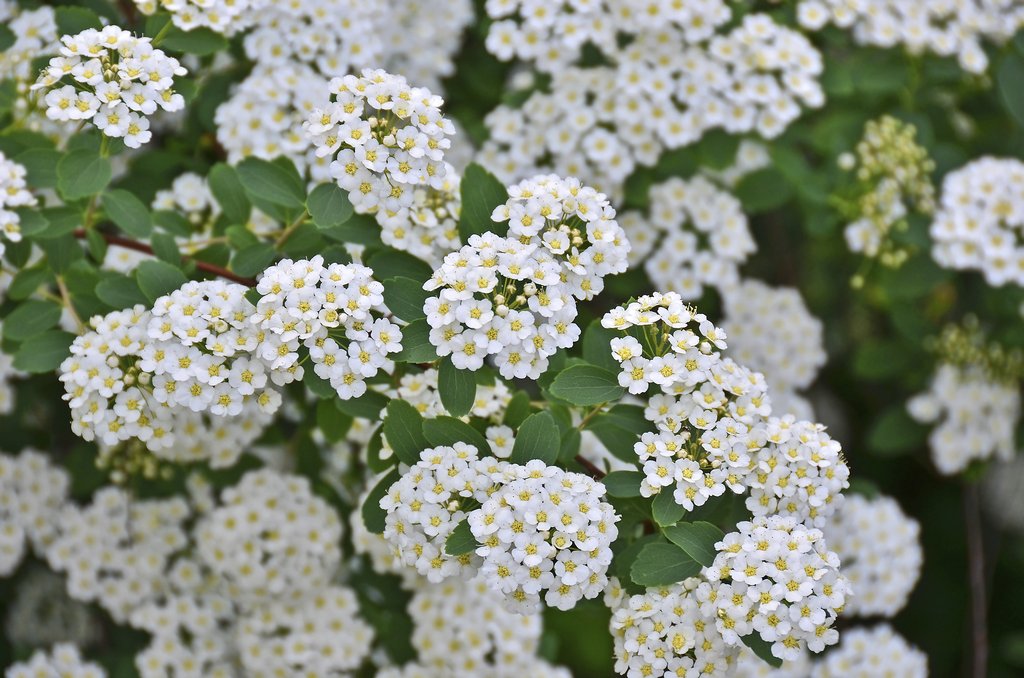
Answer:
(586, 385)
(456, 387)
(662, 564)
(403, 427)
(537, 438)
(481, 192)
(461, 540)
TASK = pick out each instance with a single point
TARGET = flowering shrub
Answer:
(511, 338)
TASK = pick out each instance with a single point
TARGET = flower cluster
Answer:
(430, 499)
(776, 578)
(34, 30)
(421, 37)
(514, 297)
(751, 156)
(190, 196)
(881, 554)
(421, 391)
(980, 220)
(770, 330)
(271, 536)
(545, 531)
(867, 653)
(13, 193)
(63, 660)
(41, 613)
(942, 28)
(112, 78)
(385, 137)
(336, 312)
(32, 492)
(222, 16)
(429, 228)
(318, 635)
(698, 234)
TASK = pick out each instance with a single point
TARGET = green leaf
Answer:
(697, 539)
(61, 221)
(31, 222)
(616, 439)
(320, 387)
(270, 181)
(763, 190)
(128, 212)
(403, 427)
(569, 448)
(82, 173)
(44, 353)
(481, 192)
(373, 515)
(390, 263)
(665, 509)
(165, 247)
(597, 346)
(416, 346)
(31, 318)
(518, 409)
(120, 291)
(329, 206)
(537, 438)
(373, 450)
(405, 297)
(157, 278)
(661, 564)
(253, 259)
(461, 540)
(456, 387)
(762, 648)
(896, 433)
(360, 229)
(227, 188)
(199, 41)
(623, 484)
(586, 385)
(27, 281)
(61, 252)
(370, 405)
(449, 430)
(7, 38)
(41, 165)
(332, 421)
(72, 20)
(1010, 80)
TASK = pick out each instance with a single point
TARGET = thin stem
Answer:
(162, 33)
(287, 233)
(66, 300)
(590, 415)
(976, 577)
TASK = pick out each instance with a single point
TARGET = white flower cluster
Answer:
(428, 501)
(881, 553)
(112, 78)
(320, 635)
(421, 37)
(868, 653)
(776, 578)
(698, 234)
(429, 228)
(63, 660)
(222, 16)
(190, 196)
(750, 665)
(32, 493)
(116, 550)
(421, 391)
(942, 27)
(41, 613)
(385, 137)
(336, 312)
(976, 415)
(545, 531)
(666, 632)
(271, 536)
(13, 193)
(980, 220)
(35, 31)
(514, 297)
(751, 156)
(771, 331)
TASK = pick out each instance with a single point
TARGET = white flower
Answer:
(864, 652)
(63, 660)
(32, 493)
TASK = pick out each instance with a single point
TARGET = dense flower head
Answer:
(421, 37)
(421, 391)
(430, 499)
(871, 652)
(696, 236)
(34, 30)
(318, 634)
(776, 578)
(429, 227)
(980, 220)
(64, 659)
(222, 16)
(545, 532)
(336, 312)
(13, 193)
(770, 330)
(881, 553)
(271, 537)
(942, 27)
(32, 493)
(112, 78)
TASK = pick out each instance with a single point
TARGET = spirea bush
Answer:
(511, 338)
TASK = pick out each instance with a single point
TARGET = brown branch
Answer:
(976, 576)
(143, 247)
(592, 469)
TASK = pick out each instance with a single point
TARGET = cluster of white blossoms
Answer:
(872, 652)
(429, 227)
(320, 635)
(943, 27)
(189, 195)
(666, 632)
(13, 193)
(698, 235)
(112, 78)
(63, 660)
(751, 156)
(335, 311)
(514, 298)
(34, 30)
(271, 536)
(775, 577)
(421, 37)
(421, 391)
(426, 504)
(980, 220)
(222, 16)
(32, 493)
(770, 330)
(41, 613)
(880, 551)
(385, 137)
(545, 531)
